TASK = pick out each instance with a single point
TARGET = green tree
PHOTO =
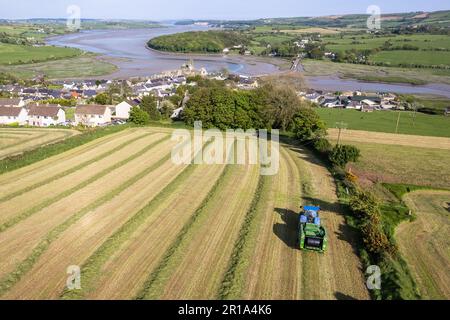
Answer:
(343, 154)
(282, 103)
(102, 99)
(139, 116)
(149, 105)
(307, 125)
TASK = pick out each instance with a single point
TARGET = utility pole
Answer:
(398, 121)
(341, 126)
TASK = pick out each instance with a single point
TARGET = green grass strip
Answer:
(72, 170)
(32, 156)
(146, 291)
(11, 279)
(91, 269)
(79, 186)
(232, 280)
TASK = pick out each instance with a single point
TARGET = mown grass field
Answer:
(14, 141)
(402, 164)
(386, 121)
(425, 244)
(122, 211)
(20, 54)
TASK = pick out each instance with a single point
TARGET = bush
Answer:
(322, 145)
(307, 125)
(364, 204)
(343, 154)
(374, 238)
(13, 124)
(138, 116)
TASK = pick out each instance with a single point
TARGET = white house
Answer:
(92, 115)
(10, 115)
(16, 102)
(123, 109)
(44, 116)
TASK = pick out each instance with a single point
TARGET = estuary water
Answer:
(127, 50)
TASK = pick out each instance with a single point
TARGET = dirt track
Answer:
(425, 244)
(390, 138)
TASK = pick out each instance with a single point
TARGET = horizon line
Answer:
(224, 19)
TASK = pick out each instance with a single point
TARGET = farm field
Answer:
(363, 42)
(402, 164)
(424, 243)
(391, 139)
(399, 57)
(380, 74)
(122, 211)
(85, 65)
(14, 141)
(385, 121)
(20, 54)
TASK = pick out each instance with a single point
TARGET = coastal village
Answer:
(28, 105)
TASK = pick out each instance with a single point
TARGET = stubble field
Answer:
(424, 242)
(14, 141)
(141, 227)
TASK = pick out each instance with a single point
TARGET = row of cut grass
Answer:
(93, 265)
(24, 266)
(30, 157)
(16, 219)
(232, 282)
(156, 278)
(71, 170)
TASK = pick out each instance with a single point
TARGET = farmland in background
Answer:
(14, 141)
(386, 121)
(121, 210)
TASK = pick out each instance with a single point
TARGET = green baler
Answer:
(311, 234)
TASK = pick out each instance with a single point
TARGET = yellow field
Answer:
(391, 139)
(14, 141)
(425, 244)
(313, 30)
(141, 227)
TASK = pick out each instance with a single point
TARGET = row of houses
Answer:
(36, 94)
(53, 115)
(352, 100)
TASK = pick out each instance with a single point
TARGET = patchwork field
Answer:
(14, 141)
(425, 244)
(141, 227)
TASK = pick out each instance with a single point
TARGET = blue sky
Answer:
(206, 9)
